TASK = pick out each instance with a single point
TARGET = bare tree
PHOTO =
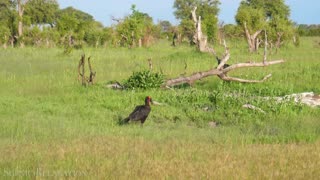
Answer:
(198, 38)
(253, 40)
(21, 4)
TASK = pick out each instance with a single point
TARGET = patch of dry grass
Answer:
(115, 157)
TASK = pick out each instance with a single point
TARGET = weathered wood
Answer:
(265, 47)
(226, 56)
(81, 72)
(198, 38)
(227, 78)
(92, 73)
(251, 64)
(252, 41)
(190, 79)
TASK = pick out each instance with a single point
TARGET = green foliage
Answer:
(134, 27)
(309, 30)
(41, 36)
(4, 34)
(270, 15)
(232, 31)
(42, 11)
(78, 28)
(255, 18)
(186, 27)
(207, 9)
(144, 80)
(8, 23)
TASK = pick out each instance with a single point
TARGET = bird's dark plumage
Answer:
(140, 113)
(219, 61)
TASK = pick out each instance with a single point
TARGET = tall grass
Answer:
(50, 123)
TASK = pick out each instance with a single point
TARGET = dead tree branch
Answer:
(92, 73)
(221, 71)
(227, 78)
(226, 56)
(81, 72)
(242, 65)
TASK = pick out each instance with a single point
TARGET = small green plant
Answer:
(144, 80)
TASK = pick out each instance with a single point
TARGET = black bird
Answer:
(140, 113)
(219, 61)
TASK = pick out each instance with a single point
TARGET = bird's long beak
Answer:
(157, 103)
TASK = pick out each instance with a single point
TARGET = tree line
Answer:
(309, 30)
(42, 23)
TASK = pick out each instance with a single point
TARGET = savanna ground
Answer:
(52, 127)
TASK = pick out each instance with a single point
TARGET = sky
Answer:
(302, 11)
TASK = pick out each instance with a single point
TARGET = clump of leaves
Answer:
(144, 80)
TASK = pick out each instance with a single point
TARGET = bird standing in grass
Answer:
(140, 113)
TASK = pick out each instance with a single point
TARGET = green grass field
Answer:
(52, 127)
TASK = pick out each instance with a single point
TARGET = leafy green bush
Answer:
(144, 80)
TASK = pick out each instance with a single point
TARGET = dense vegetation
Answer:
(52, 124)
(42, 23)
(309, 30)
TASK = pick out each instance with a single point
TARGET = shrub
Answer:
(144, 80)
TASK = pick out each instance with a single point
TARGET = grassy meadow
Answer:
(52, 127)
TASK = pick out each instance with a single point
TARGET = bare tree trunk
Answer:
(265, 47)
(20, 4)
(198, 38)
(257, 45)
(279, 42)
(194, 18)
(253, 42)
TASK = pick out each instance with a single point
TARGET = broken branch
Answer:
(227, 78)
